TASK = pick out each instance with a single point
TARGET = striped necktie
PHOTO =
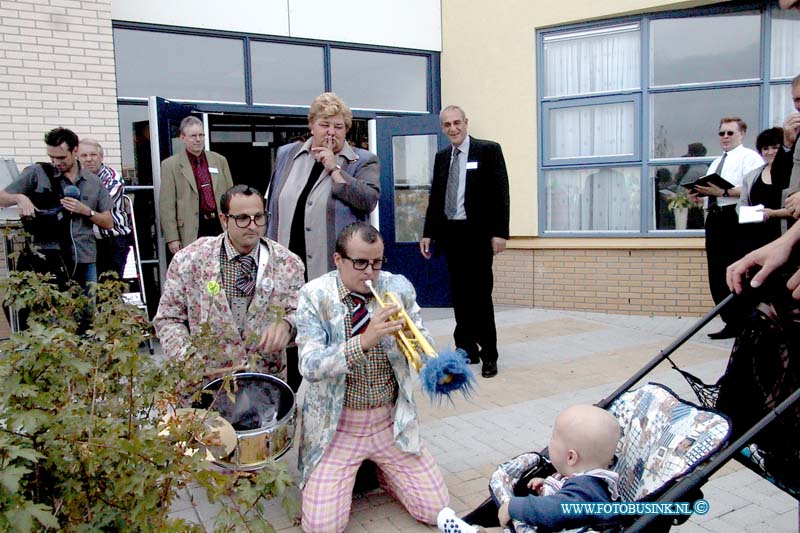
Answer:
(246, 280)
(360, 317)
(451, 192)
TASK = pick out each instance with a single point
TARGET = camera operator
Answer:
(59, 203)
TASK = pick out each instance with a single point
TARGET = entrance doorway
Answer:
(250, 142)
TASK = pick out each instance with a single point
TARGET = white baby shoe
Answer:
(448, 522)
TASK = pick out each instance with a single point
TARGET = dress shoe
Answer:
(489, 369)
(725, 333)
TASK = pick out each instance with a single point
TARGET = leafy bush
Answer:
(82, 445)
(680, 201)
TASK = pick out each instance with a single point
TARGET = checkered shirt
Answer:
(371, 381)
(230, 268)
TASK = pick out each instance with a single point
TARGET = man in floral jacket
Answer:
(359, 403)
(240, 284)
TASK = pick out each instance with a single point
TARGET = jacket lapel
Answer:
(186, 170)
(217, 179)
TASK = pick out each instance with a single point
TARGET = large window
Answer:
(630, 109)
(286, 74)
(188, 67)
(255, 70)
(376, 80)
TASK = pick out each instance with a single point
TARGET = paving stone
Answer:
(543, 369)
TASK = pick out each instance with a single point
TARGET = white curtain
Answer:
(592, 131)
(583, 63)
(593, 199)
(592, 61)
(784, 52)
(780, 104)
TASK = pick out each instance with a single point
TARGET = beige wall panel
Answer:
(408, 24)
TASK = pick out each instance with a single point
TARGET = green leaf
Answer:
(10, 477)
(293, 508)
(19, 452)
(42, 515)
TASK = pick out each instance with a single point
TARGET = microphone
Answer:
(71, 191)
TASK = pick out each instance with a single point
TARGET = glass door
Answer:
(407, 147)
(164, 142)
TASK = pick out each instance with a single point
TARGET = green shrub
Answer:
(82, 447)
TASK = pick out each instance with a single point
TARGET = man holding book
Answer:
(722, 240)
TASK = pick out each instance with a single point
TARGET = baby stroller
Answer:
(669, 447)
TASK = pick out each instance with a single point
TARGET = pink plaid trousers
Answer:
(415, 480)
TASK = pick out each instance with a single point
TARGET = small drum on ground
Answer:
(261, 408)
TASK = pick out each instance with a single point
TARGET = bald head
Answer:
(591, 432)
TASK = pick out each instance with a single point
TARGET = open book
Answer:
(714, 179)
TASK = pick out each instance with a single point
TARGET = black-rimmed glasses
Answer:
(362, 264)
(242, 221)
(727, 133)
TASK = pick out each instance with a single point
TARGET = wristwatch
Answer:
(91, 213)
(725, 193)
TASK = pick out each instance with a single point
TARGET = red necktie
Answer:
(360, 318)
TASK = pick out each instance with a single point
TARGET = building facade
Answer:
(601, 109)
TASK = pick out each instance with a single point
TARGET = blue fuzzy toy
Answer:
(447, 373)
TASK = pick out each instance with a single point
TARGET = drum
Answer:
(261, 409)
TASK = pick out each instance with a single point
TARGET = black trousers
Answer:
(469, 260)
(724, 245)
(112, 253)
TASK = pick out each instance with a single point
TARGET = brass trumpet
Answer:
(409, 346)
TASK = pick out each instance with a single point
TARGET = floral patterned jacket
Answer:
(321, 338)
(193, 295)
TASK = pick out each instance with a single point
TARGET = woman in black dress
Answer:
(762, 187)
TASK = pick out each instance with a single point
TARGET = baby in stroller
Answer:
(581, 450)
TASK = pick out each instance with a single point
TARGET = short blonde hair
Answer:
(92, 142)
(329, 105)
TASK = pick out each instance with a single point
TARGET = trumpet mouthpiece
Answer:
(368, 283)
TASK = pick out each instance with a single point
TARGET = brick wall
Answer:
(646, 281)
(56, 69)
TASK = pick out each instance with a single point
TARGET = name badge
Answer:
(213, 170)
(472, 165)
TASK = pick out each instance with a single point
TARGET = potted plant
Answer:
(679, 205)
(84, 442)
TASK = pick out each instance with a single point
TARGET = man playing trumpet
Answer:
(359, 403)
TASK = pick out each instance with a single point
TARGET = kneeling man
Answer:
(359, 404)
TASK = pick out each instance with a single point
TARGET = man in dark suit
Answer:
(468, 218)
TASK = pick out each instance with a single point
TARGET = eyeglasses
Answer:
(362, 264)
(242, 221)
(727, 133)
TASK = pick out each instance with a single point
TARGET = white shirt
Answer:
(739, 162)
(463, 152)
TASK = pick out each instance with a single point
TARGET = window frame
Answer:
(643, 139)
(432, 71)
(590, 101)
